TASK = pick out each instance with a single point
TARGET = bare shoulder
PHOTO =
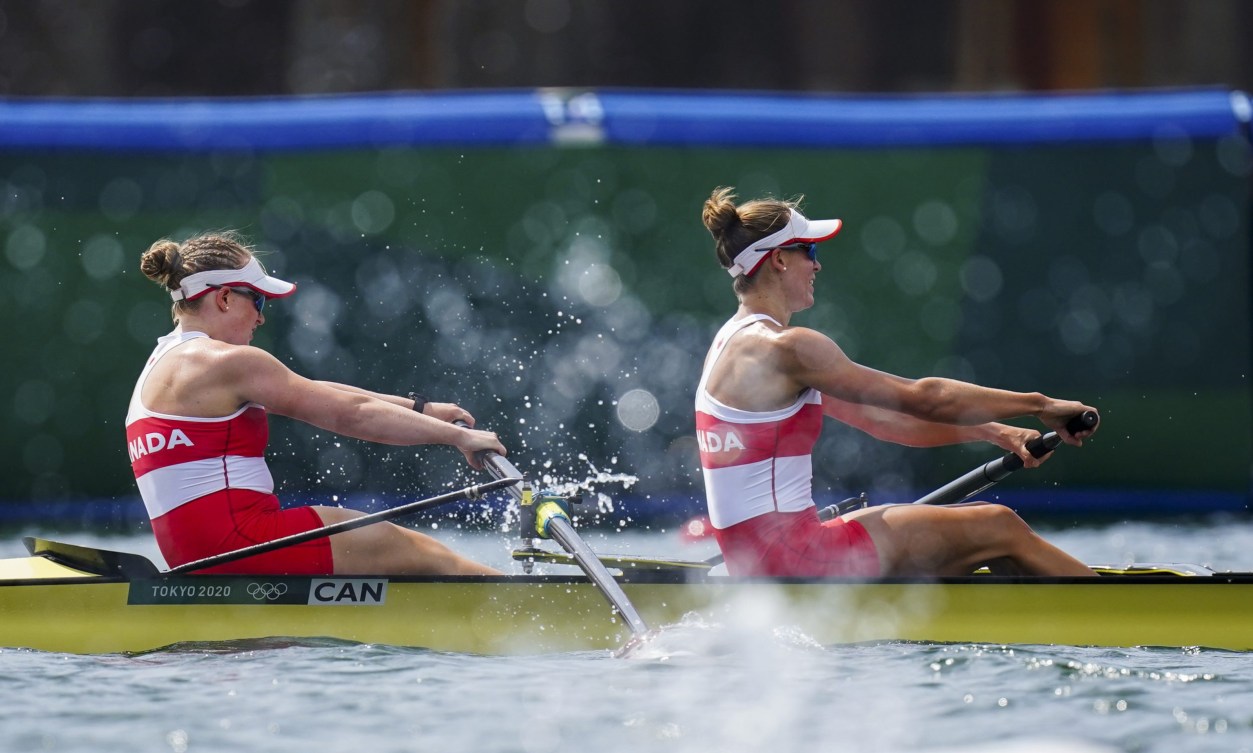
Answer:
(244, 356)
(217, 359)
(770, 334)
(806, 344)
(761, 341)
(813, 359)
(803, 337)
(208, 377)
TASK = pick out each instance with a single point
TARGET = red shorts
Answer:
(798, 544)
(236, 518)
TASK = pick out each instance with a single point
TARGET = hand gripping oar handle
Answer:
(970, 484)
(498, 467)
(560, 529)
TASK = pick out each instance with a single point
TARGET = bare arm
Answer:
(403, 402)
(811, 359)
(257, 376)
(901, 428)
(448, 412)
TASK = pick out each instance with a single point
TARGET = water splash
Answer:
(589, 483)
(698, 636)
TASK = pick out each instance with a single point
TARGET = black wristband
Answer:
(419, 402)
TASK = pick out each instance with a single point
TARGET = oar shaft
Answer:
(498, 467)
(470, 492)
(969, 484)
(561, 529)
(966, 486)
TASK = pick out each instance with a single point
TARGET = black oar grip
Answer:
(1046, 443)
(989, 473)
(1083, 422)
(1038, 447)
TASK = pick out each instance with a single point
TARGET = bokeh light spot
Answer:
(935, 222)
(102, 257)
(915, 273)
(883, 238)
(34, 401)
(981, 278)
(120, 199)
(638, 410)
(373, 212)
(25, 246)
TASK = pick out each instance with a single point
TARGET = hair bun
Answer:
(162, 262)
(720, 213)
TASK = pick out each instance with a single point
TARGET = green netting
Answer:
(566, 296)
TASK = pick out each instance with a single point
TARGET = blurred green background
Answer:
(565, 293)
(565, 296)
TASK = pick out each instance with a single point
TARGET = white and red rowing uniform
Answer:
(758, 471)
(180, 458)
(206, 485)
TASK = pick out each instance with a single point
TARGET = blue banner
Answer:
(616, 117)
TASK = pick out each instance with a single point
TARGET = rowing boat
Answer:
(73, 599)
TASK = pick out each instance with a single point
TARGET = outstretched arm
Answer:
(448, 412)
(812, 359)
(261, 378)
(901, 428)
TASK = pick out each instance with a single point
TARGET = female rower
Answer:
(764, 391)
(196, 430)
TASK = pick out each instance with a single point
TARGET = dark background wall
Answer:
(250, 47)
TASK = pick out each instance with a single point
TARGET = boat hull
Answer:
(55, 608)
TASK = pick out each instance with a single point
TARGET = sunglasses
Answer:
(258, 300)
(810, 249)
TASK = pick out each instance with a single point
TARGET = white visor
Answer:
(250, 276)
(797, 230)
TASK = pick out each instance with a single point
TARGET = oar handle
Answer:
(1046, 443)
(981, 478)
(497, 466)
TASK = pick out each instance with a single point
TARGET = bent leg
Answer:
(957, 540)
(386, 548)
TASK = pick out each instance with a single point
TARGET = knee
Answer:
(1001, 520)
(1003, 514)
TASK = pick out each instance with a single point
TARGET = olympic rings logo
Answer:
(266, 591)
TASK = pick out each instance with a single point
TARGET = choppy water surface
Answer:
(699, 686)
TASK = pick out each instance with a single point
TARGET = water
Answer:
(699, 686)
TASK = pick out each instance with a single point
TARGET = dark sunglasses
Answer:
(810, 249)
(258, 300)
